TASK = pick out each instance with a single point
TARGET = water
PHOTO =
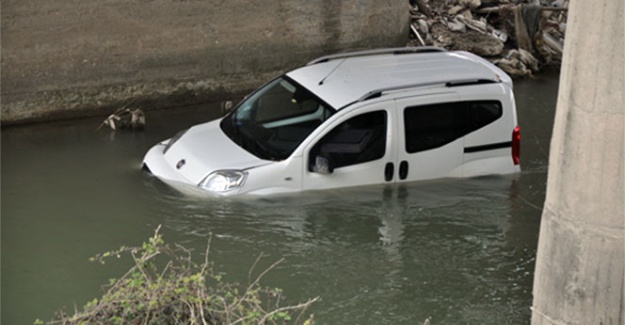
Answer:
(458, 251)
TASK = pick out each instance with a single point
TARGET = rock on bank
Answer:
(72, 58)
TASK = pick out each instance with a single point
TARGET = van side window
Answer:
(483, 113)
(355, 141)
(433, 126)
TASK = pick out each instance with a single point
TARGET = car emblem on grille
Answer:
(180, 164)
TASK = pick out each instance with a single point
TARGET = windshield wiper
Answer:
(268, 153)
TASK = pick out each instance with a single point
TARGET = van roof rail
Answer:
(453, 83)
(394, 51)
(459, 83)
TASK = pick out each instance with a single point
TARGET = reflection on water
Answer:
(459, 251)
(448, 249)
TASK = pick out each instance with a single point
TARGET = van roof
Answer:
(347, 78)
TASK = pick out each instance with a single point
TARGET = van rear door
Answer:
(492, 121)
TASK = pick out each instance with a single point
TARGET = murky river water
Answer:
(458, 251)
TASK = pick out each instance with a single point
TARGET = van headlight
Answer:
(223, 180)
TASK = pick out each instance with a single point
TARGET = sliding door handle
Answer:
(403, 170)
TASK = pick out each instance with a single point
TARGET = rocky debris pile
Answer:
(125, 119)
(521, 37)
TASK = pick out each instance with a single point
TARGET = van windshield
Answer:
(275, 119)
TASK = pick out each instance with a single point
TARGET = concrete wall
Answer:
(68, 58)
(580, 267)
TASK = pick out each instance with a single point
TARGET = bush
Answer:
(182, 292)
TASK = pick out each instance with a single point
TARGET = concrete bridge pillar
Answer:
(580, 266)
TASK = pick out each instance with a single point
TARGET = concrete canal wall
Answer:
(69, 58)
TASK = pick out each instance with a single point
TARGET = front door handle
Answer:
(389, 169)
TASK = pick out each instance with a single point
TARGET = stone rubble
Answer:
(521, 37)
(125, 119)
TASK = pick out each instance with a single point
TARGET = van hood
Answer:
(204, 149)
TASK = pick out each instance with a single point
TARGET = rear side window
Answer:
(483, 113)
(433, 126)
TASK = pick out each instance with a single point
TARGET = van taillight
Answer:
(516, 145)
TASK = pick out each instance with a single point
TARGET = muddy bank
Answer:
(72, 58)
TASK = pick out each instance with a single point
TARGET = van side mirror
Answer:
(323, 165)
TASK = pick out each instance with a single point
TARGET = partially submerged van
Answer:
(371, 117)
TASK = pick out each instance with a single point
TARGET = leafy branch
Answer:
(177, 293)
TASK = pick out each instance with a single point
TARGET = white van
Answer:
(372, 117)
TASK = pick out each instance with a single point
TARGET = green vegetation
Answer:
(182, 292)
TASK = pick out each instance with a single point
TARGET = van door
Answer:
(431, 137)
(357, 149)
